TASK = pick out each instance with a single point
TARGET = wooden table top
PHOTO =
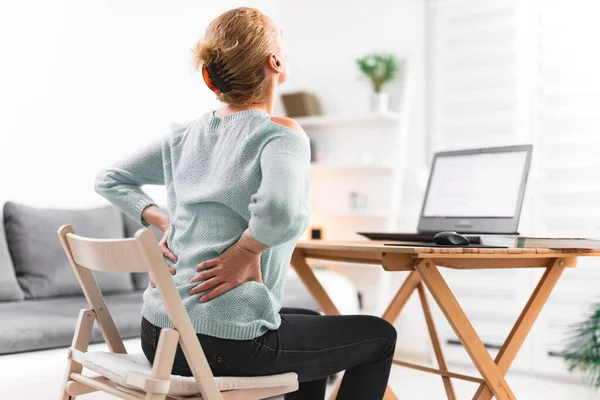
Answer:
(376, 246)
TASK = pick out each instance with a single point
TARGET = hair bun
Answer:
(204, 53)
(235, 48)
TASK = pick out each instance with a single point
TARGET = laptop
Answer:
(472, 192)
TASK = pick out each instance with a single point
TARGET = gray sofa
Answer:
(40, 298)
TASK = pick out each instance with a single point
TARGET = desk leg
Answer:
(317, 291)
(307, 276)
(442, 294)
(395, 308)
(435, 341)
(412, 282)
(524, 323)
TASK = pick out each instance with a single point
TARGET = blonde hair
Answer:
(237, 43)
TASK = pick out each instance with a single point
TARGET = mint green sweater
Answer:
(222, 175)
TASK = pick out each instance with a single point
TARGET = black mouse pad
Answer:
(470, 246)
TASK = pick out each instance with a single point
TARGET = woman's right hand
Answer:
(230, 269)
(237, 264)
(162, 245)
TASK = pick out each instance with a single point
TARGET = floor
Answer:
(38, 375)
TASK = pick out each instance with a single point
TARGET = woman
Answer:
(237, 183)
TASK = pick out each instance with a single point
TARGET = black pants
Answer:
(312, 345)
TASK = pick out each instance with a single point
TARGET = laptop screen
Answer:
(474, 190)
(476, 185)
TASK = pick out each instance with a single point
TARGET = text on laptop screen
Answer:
(475, 185)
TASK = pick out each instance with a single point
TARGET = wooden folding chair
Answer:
(130, 376)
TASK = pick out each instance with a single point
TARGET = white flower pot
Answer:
(379, 102)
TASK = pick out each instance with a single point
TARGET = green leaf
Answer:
(380, 68)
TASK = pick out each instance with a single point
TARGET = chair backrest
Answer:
(138, 254)
(108, 255)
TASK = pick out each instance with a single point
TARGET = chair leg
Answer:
(81, 340)
(163, 360)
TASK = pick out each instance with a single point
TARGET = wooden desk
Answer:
(424, 264)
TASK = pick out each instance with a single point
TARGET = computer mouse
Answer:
(449, 238)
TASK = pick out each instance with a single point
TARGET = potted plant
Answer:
(380, 68)
(583, 349)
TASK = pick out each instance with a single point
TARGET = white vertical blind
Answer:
(474, 85)
(568, 116)
(481, 96)
(506, 72)
(474, 103)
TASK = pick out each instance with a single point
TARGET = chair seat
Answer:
(134, 371)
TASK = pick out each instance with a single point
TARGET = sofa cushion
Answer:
(9, 287)
(140, 279)
(48, 323)
(41, 265)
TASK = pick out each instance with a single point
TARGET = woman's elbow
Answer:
(291, 221)
(280, 224)
(103, 182)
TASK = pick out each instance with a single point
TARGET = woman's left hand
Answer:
(154, 216)
(162, 245)
(234, 266)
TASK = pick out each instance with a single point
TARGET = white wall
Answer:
(85, 82)
(82, 83)
(324, 38)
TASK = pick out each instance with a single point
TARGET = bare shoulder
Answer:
(289, 123)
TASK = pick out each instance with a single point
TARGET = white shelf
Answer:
(328, 121)
(317, 166)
